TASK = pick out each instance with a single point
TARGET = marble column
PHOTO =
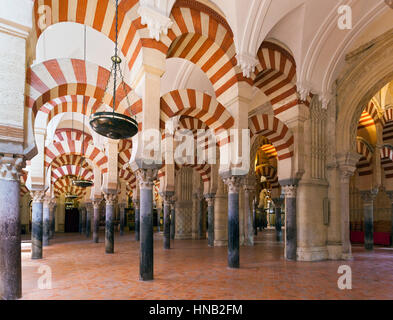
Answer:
(10, 240)
(46, 222)
(96, 219)
(173, 218)
(166, 198)
(146, 178)
(110, 200)
(248, 219)
(233, 183)
(390, 195)
(137, 219)
(89, 214)
(122, 209)
(290, 224)
(368, 198)
(254, 216)
(36, 228)
(52, 218)
(277, 209)
(199, 220)
(210, 218)
(84, 211)
(345, 217)
(80, 219)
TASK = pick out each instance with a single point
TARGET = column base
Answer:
(335, 251)
(312, 254)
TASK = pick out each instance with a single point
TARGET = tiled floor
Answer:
(191, 270)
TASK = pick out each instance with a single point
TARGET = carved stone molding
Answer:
(146, 178)
(110, 198)
(157, 23)
(38, 196)
(368, 196)
(11, 167)
(233, 183)
(290, 191)
(247, 63)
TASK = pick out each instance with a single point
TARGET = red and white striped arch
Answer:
(69, 159)
(191, 103)
(276, 77)
(203, 37)
(270, 173)
(125, 149)
(71, 170)
(273, 129)
(64, 186)
(58, 78)
(369, 117)
(99, 15)
(364, 164)
(387, 161)
(388, 126)
(92, 153)
(65, 134)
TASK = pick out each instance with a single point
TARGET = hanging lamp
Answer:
(80, 182)
(114, 125)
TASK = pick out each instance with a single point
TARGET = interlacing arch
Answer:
(125, 148)
(388, 125)
(369, 117)
(273, 129)
(48, 81)
(203, 37)
(366, 151)
(276, 77)
(69, 159)
(65, 134)
(270, 173)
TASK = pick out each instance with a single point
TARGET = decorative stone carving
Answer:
(167, 197)
(38, 196)
(11, 167)
(290, 191)
(210, 199)
(233, 183)
(247, 63)
(303, 90)
(157, 23)
(146, 177)
(110, 198)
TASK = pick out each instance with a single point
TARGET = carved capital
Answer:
(233, 183)
(146, 178)
(156, 22)
(167, 197)
(11, 167)
(38, 196)
(368, 196)
(290, 191)
(210, 199)
(96, 203)
(247, 63)
(110, 198)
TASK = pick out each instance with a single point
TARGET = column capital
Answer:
(156, 22)
(290, 191)
(146, 177)
(210, 197)
(347, 165)
(110, 198)
(38, 196)
(167, 197)
(233, 183)
(198, 196)
(11, 167)
(96, 203)
(368, 196)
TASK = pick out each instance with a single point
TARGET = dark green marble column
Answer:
(110, 200)
(167, 197)
(10, 239)
(96, 219)
(46, 223)
(37, 224)
(290, 225)
(277, 208)
(210, 218)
